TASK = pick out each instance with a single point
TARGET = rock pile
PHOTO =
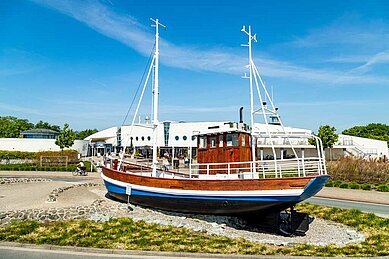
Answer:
(11, 180)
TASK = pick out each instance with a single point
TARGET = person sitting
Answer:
(81, 166)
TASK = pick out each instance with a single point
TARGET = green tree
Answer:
(66, 137)
(373, 131)
(11, 127)
(46, 125)
(328, 136)
(85, 133)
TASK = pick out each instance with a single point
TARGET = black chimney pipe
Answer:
(241, 115)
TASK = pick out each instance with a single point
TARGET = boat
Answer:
(231, 176)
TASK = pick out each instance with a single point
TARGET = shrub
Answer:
(354, 186)
(344, 185)
(330, 183)
(359, 170)
(383, 188)
(366, 187)
(337, 183)
(4, 154)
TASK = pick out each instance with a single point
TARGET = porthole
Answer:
(177, 137)
(136, 138)
(143, 138)
(148, 138)
(184, 138)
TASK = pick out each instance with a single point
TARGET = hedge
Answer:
(71, 154)
(353, 185)
(4, 154)
(33, 167)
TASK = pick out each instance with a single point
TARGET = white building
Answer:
(35, 145)
(181, 136)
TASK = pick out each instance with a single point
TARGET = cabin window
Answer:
(136, 138)
(213, 142)
(143, 138)
(193, 137)
(243, 140)
(220, 140)
(148, 138)
(184, 138)
(203, 142)
(232, 139)
(177, 137)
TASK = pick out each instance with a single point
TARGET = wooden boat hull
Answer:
(218, 197)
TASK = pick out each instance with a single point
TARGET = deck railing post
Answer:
(280, 171)
(207, 169)
(190, 170)
(228, 168)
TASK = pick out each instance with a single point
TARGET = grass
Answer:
(124, 233)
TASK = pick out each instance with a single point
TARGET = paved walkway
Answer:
(21, 196)
(37, 192)
(354, 195)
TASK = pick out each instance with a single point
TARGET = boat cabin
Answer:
(223, 146)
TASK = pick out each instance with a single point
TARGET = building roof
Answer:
(39, 131)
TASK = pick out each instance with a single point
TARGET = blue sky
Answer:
(80, 62)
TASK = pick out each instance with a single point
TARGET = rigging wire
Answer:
(139, 85)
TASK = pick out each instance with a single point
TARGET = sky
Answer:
(80, 62)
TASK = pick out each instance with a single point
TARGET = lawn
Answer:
(124, 233)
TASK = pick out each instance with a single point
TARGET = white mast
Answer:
(155, 94)
(252, 112)
(254, 74)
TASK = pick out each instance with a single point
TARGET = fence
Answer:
(54, 161)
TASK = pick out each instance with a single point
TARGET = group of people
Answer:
(166, 163)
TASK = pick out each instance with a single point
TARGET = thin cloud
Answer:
(348, 31)
(129, 31)
(17, 108)
(16, 62)
(379, 58)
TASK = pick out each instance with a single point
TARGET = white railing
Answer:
(294, 167)
(261, 169)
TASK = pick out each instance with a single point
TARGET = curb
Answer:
(129, 253)
(102, 251)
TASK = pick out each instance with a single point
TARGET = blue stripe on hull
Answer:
(122, 190)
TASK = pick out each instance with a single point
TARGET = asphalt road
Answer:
(378, 209)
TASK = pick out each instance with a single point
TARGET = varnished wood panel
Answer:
(209, 185)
